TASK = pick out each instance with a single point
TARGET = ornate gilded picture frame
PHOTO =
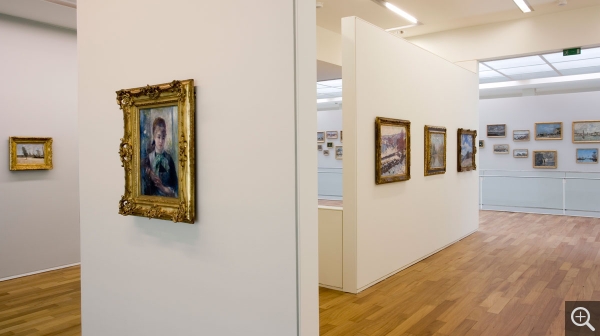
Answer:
(158, 151)
(30, 153)
(392, 150)
(435, 150)
(466, 150)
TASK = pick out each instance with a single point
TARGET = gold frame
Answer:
(521, 157)
(521, 131)
(576, 149)
(460, 132)
(495, 136)
(12, 149)
(324, 135)
(494, 149)
(573, 130)
(541, 167)
(335, 152)
(328, 137)
(381, 121)
(182, 94)
(562, 130)
(428, 131)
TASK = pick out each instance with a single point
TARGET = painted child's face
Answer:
(159, 139)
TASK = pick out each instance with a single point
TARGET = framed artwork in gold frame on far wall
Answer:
(586, 131)
(158, 151)
(30, 153)
(392, 150)
(435, 150)
(466, 150)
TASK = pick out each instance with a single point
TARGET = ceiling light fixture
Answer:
(401, 12)
(523, 6)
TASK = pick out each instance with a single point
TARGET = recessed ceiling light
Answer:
(523, 6)
(400, 12)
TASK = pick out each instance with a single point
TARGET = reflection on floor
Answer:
(331, 203)
(509, 278)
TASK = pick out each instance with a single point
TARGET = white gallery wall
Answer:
(39, 210)
(521, 113)
(330, 168)
(242, 268)
(388, 227)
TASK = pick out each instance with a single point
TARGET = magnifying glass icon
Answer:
(587, 317)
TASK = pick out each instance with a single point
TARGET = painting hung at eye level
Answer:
(326, 152)
(545, 159)
(435, 150)
(501, 149)
(586, 131)
(587, 155)
(30, 153)
(520, 153)
(392, 150)
(496, 131)
(549, 131)
(157, 151)
(521, 135)
(339, 152)
(332, 134)
(466, 150)
(320, 136)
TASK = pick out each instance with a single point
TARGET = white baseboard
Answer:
(38, 272)
(331, 287)
(412, 263)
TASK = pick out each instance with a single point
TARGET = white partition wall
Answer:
(249, 264)
(388, 227)
(39, 210)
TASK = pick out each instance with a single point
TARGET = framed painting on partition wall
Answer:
(466, 150)
(435, 150)
(496, 131)
(30, 153)
(521, 135)
(586, 131)
(501, 149)
(520, 153)
(392, 150)
(545, 159)
(320, 136)
(586, 155)
(158, 151)
(548, 131)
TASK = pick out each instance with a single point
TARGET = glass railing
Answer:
(548, 192)
(330, 183)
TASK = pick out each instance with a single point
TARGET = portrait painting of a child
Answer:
(158, 157)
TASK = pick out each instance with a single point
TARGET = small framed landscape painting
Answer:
(521, 135)
(549, 131)
(466, 150)
(392, 150)
(587, 155)
(339, 152)
(545, 159)
(501, 149)
(320, 136)
(520, 153)
(481, 143)
(332, 134)
(496, 131)
(30, 153)
(158, 151)
(586, 131)
(435, 150)
(326, 152)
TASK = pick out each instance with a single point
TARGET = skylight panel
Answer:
(585, 63)
(483, 67)
(527, 69)
(328, 90)
(332, 83)
(585, 54)
(489, 74)
(515, 62)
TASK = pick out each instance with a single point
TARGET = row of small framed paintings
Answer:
(321, 136)
(339, 151)
(392, 150)
(585, 131)
(582, 155)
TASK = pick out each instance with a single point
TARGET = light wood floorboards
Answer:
(509, 278)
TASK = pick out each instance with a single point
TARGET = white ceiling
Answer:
(41, 11)
(436, 15)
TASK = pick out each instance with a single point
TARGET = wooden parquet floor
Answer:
(43, 304)
(509, 278)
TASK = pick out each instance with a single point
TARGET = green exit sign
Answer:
(573, 51)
